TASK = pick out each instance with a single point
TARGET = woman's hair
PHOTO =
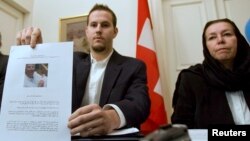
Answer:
(242, 44)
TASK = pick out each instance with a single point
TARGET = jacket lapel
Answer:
(113, 70)
(82, 73)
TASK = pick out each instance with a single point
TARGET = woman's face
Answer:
(221, 42)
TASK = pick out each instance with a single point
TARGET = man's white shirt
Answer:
(94, 86)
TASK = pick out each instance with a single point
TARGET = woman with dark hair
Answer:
(218, 90)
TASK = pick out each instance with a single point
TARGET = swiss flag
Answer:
(146, 51)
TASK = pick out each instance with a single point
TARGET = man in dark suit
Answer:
(109, 90)
(3, 66)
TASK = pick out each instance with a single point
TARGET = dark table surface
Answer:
(127, 137)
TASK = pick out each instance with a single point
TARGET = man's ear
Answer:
(115, 32)
(86, 31)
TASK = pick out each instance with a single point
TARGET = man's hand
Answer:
(92, 120)
(29, 36)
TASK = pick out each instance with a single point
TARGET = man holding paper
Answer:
(109, 90)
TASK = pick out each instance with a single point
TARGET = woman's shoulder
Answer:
(193, 74)
(193, 70)
(192, 79)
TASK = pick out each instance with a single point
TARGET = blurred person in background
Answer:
(3, 66)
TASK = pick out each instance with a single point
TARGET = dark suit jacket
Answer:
(124, 84)
(198, 104)
(3, 66)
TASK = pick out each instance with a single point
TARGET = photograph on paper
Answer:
(36, 75)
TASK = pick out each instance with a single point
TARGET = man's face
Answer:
(100, 31)
(29, 70)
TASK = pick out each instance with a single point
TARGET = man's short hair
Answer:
(104, 8)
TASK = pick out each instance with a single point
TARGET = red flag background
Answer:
(146, 51)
